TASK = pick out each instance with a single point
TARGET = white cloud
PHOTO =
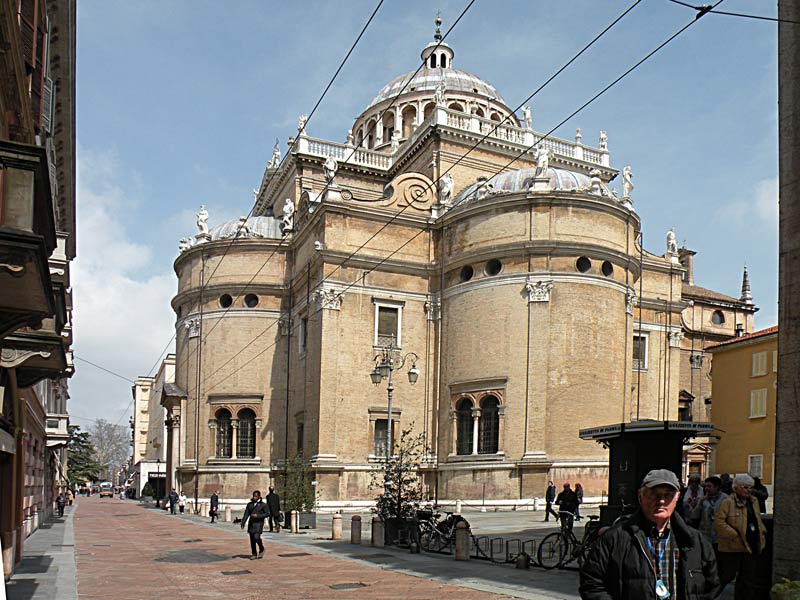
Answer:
(759, 208)
(121, 292)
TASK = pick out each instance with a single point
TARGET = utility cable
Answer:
(109, 371)
(701, 10)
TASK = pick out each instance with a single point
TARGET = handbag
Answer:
(280, 516)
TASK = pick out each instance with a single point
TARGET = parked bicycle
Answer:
(561, 548)
(437, 534)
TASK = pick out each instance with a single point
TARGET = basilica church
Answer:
(489, 279)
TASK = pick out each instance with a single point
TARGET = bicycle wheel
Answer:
(553, 549)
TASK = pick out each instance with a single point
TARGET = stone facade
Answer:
(520, 293)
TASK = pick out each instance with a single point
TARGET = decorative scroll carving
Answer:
(10, 357)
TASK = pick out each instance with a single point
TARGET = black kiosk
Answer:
(636, 448)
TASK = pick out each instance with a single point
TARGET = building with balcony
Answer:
(37, 244)
(501, 261)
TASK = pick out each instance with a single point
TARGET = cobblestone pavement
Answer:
(124, 549)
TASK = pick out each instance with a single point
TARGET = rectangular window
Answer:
(388, 323)
(639, 352)
(774, 361)
(303, 342)
(759, 364)
(380, 447)
(300, 439)
(755, 465)
(758, 403)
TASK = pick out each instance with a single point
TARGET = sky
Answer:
(179, 103)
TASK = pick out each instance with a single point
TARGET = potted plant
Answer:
(786, 590)
(298, 493)
(147, 492)
(398, 476)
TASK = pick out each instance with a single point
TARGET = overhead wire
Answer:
(705, 8)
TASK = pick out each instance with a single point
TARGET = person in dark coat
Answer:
(652, 555)
(274, 506)
(550, 497)
(760, 493)
(567, 501)
(61, 501)
(254, 515)
(214, 505)
(173, 500)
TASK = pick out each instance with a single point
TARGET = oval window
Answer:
(493, 267)
(466, 273)
(607, 268)
(225, 300)
(583, 264)
(718, 317)
(251, 301)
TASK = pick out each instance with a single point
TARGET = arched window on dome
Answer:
(428, 110)
(489, 427)
(371, 134)
(443, 60)
(246, 443)
(224, 433)
(433, 61)
(496, 117)
(478, 112)
(388, 126)
(409, 115)
(359, 137)
(464, 426)
(456, 106)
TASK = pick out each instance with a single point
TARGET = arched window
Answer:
(456, 106)
(478, 112)
(464, 426)
(359, 138)
(428, 110)
(224, 433)
(371, 134)
(718, 317)
(433, 61)
(443, 61)
(388, 126)
(246, 444)
(495, 117)
(489, 428)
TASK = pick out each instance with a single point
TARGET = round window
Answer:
(493, 267)
(583, 264)
(225, 300)
(718, 317)
(607, 268)
(251, 301)
(466, 273)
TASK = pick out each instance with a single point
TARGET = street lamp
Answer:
(158, 482)
(385, 365)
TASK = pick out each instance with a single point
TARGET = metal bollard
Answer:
(355, 529)
(377, 532)
(294, 521)
(227, 514)
(336, 527)
(458, 507)
(204, 509)
(462, 541)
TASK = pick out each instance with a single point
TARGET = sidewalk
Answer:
(47, 569)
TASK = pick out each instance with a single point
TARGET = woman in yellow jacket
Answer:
(742, 538)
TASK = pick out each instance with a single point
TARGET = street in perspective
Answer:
(392, 300)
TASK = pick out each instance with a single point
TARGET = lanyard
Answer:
(660, 555)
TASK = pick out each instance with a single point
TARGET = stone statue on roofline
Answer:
(438, 94)
(526, 116)
(330, 166)
(446, 186)
(275, 161)
(672, 243)
(603, 140)
(542, 160)
(288, 216)
(184, 244)
(627, 182)
(202, 220)
(301, 124)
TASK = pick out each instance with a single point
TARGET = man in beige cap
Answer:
(652, 555)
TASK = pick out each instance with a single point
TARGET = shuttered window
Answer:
(758, 403)
(759, 364)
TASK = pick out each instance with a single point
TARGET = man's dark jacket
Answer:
(173, 497)
(274, 504)
(620, 567)
(214, 501)
(567, 500)
(257, 511)
(550, 494)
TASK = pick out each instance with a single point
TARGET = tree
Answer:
(398, 476)
(111, 444)
(81, 460)
(298, 493)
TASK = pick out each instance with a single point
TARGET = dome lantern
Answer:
(437, 54)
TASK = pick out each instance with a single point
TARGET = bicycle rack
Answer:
(501, 550)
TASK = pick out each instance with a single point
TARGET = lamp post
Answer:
(385, 365)
(158, 482)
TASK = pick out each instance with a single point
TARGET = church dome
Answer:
(560, 180)
(257, 227)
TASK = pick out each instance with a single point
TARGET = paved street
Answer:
(124, 548)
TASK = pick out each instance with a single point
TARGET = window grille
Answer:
(224, 434)
(381, 431)
(464, 427)
(388, 320)
(639, 352)
(489, 434)
(246, 443)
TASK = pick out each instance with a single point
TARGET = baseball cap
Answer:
(660, 477)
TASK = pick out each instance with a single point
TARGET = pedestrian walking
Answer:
(61, 501)
(549, 498)
(254, 516)
(567, 502)
(181, 502)
(579, 494)
(727, 484)
(214, 505)
(173, 500)
(761, 493)
(70, 497)
(742, 538)
(274, 506)
(703, 515)
(692, 496)
(653, 554)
